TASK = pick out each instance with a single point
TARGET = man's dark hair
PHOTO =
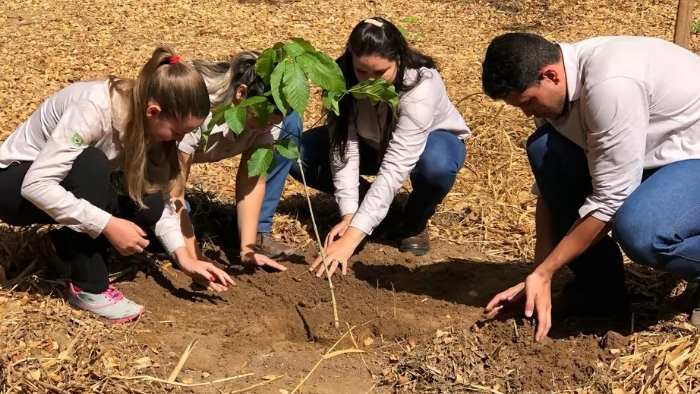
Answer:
(513, 63)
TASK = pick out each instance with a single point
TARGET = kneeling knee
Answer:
(437, 173)
(635, 239)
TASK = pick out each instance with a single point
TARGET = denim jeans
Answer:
(291, 128)
(431, 178)
(658, 225)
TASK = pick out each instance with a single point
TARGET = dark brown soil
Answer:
(276, 323)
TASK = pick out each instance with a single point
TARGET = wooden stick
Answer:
(47, 386)
(483, 388)
(154, 379)
(321, 360)
(181, 363)
(362, 357)
(684, 20)
(247, 389)
(336, 321)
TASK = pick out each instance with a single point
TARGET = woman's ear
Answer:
(241, 92)
(153, 110)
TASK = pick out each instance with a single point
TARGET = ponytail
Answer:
(181, 93)
(224, 78)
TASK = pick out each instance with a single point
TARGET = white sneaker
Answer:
(110, 304)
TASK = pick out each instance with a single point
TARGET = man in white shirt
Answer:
(617, 148)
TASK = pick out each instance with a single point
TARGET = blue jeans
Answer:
(292, 128)
(431, 178)
(658, 225)
(274, 185)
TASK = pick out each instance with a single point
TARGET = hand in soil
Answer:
(505, 300)
(127, 237)
(338, 230)
(538, 294)
(337, 254)
(261, 261)
(207, 275)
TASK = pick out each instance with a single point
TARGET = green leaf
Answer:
(328, 78)
(276, 86)
(217, 118)
(261, 162)
(402, 30)
(235, 118)
(293, 49)
(265, 64)
(410, 19)
(287, 148)
(331, 68)
(377, 90)
(280, 53)
(252, 101)
(262, 112)
(330, 100)
(304, 44)
(296, 88)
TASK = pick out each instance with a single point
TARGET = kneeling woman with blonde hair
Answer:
(56, 167)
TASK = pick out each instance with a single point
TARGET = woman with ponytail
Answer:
(55, 169)
(256, 197)
(424, 141)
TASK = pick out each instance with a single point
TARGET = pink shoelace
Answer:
(113, 294)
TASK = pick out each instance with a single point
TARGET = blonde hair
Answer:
(224, 78)
(181, 93)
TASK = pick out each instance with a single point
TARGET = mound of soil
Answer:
(275, 323)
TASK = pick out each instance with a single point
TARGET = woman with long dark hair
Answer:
(424, 141)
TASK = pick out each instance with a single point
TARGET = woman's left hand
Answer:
(207, 275)
(337, 253)
(249, 257)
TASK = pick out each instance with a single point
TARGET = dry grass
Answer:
(47, 44)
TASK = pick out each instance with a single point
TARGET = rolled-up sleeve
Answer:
(167, 229)
(346, 174)
(616, 114)
(80, 126)
(416, 114)
(190, 142)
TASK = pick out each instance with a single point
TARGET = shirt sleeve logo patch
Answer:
(77, 140)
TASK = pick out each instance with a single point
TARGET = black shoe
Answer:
(418, 244)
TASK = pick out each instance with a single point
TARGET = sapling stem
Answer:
(336, 322)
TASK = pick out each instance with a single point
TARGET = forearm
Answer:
(583, 234)
(187, 229)
(250, 193)
(544, 232)
(180, 256)
(177, 196)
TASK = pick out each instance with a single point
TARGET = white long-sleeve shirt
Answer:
(634, 104)
(224, 143)
(78, 116)
(423, 109)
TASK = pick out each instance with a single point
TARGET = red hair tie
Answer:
(174, 59)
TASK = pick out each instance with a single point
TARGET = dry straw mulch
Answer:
(47, 44)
